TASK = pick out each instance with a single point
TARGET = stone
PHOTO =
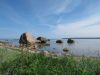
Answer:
(27, 39)
(59, 41)
(42, 40)
(70, 41)
(65, 50)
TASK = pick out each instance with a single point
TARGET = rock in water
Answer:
(42, 40)
(27, 39)
(59, 41)
(65, 50)
(70, 41)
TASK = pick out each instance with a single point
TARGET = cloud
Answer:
(54, 10)
(62, 7)
(56, 15)
(85, 27)
(67, 6)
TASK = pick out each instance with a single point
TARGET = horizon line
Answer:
(82, 38)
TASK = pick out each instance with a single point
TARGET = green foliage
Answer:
(38, 64)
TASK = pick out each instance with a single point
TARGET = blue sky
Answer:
(50, 18)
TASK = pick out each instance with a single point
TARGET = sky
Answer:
(50, 18)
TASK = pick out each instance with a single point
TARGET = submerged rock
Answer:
(47, 44)
(65, 50)
(70, 41)
(59, 41)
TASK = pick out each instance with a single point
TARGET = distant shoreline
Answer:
(57, 38)
(84, 38)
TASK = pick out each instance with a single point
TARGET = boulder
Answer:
(59, 41)
(26, 39)
(70, 41)
(42, 40)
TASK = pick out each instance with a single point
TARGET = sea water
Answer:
(86, 47)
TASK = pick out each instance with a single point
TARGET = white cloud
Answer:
(85, 27)
(62, 7)
(66, 6)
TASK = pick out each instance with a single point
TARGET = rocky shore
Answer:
(6, 45)
(29, 43)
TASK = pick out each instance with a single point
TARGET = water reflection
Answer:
(39, 46)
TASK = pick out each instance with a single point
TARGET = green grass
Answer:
(38, 64)
(7, 54)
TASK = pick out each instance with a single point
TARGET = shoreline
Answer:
(6, 45)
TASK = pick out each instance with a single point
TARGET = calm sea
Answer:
(86, 47)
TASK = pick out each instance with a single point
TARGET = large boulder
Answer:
(42, 40)
(27, 39)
